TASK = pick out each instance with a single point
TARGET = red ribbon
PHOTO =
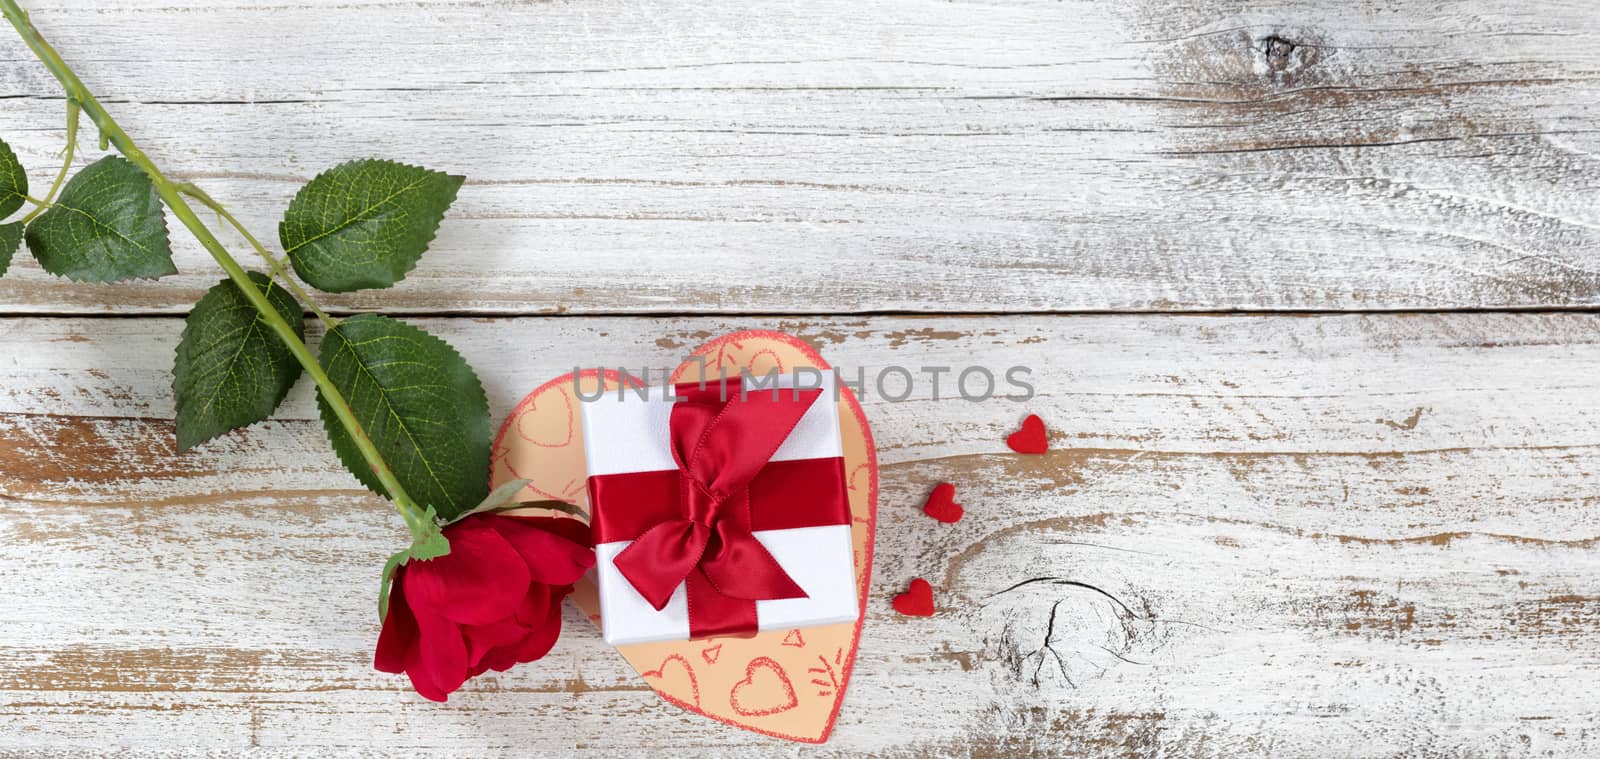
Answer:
(694, 525)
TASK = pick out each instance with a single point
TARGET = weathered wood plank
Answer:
(1340, 535)
(1017, 156)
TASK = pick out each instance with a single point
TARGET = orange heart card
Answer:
(784, 683)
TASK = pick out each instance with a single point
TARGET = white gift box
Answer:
(631, 434)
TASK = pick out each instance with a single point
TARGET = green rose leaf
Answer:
(364, 224)
(10, 238)
(504, 498)
(231, 370)
(501, 497)
(13, 181)
(106, 226)
(419, 403)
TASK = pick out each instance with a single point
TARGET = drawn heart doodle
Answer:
(765, 689)
(566, 409)
(661, 672)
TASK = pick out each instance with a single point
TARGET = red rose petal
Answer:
(917, 601)
(575, 530)
(543, 638)
(422, 682)
(441, 664)
(481, 639)
(1031, 438)
(499, 660)
(399, 633)
(480, 581)
(942, 504)
(550, 558)
(539, 618)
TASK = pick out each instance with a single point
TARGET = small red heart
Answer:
(917, 601)
(1031, 438)
(942, 504)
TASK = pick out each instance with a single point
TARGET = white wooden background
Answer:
(1321, 529)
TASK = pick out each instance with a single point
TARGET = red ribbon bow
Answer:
(721, 441)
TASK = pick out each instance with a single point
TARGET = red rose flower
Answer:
(492, 602)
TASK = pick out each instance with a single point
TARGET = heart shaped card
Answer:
(784, 683)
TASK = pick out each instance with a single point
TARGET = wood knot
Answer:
(1278, 51)
(1057, 632)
